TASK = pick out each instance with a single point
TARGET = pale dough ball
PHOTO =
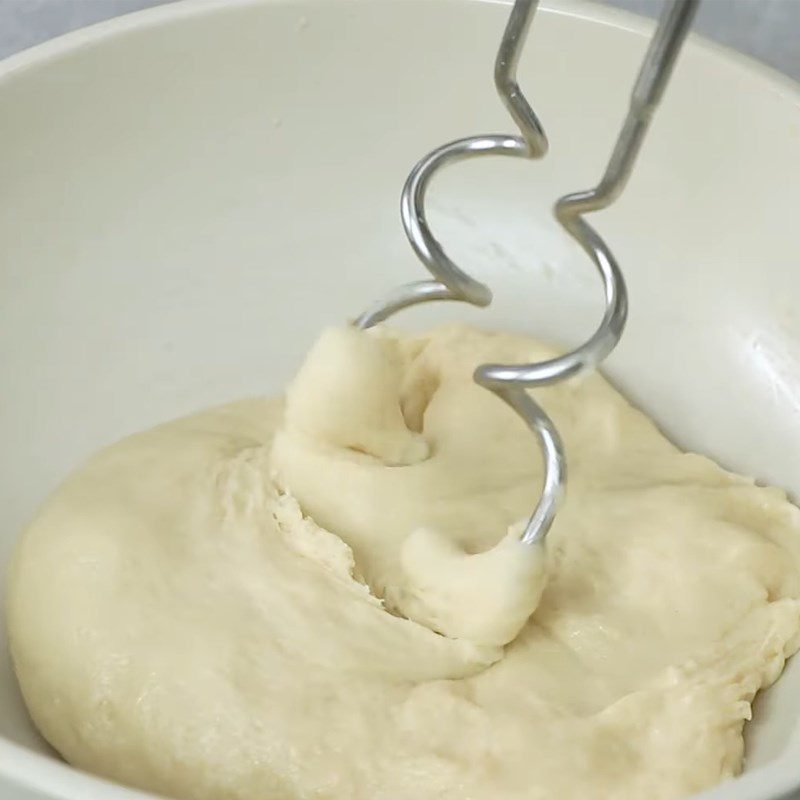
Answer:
(198, 614)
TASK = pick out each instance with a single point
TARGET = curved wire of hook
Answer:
(450, 282)
(510, 382)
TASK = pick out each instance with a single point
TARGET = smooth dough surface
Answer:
(205, 609)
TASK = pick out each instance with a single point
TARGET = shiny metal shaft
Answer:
(511, 382)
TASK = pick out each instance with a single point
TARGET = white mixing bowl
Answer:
(188, 194)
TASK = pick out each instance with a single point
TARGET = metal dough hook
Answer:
(510, 382)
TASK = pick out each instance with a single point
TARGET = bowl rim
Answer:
(28, 769)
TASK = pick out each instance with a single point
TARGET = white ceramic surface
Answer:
(189, 193)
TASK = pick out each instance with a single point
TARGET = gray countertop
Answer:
(769, 30)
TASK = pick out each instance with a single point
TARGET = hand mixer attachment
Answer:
(510, 382)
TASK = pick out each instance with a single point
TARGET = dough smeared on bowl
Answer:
(244, 603)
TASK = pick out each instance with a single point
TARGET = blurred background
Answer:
(769, 30)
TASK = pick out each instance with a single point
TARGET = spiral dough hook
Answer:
(510, 382)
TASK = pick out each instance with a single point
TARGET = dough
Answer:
(200, 615)
(354, 394)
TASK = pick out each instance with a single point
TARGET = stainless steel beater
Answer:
(510, 382)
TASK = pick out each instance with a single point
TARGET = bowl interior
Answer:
(189, 195)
